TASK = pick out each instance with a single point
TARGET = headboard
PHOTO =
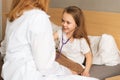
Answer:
(97, 23)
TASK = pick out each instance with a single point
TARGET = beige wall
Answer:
(6, 4)
(96, 5)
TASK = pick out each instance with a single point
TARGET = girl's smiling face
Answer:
(68, 23)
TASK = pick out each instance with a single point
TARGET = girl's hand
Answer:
(85, 73)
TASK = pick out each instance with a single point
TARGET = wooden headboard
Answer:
(97, 23)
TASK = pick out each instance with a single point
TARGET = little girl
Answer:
(74, 43)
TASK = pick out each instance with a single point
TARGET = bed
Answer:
(97, 23)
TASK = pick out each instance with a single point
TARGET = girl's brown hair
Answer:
(19, 6)
(77, 14)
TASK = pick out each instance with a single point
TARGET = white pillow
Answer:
(55, 27)
(108, 51)
(94, 43)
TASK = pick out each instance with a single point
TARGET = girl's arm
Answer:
(88, 64)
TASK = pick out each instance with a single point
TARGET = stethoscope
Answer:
(63, 43)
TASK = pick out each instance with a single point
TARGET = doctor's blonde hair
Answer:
(19, 6)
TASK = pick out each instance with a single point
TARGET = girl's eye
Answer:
(62, 20)
(68, 22)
